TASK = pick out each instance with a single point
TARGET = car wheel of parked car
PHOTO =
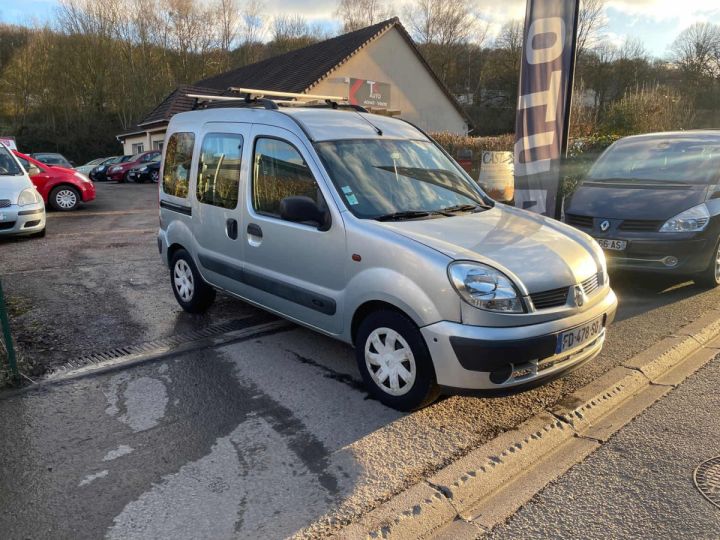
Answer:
(710, 277)
(394, 361)
(191, 291)
(155, 176)
(64, 198)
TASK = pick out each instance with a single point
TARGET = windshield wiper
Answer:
(465, 208)
(406, 214)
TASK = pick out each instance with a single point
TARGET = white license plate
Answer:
(577, 336)
(615, 245)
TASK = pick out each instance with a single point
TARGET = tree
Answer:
(356, 14)
(697, 50)
(591, 23)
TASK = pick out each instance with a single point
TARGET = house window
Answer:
(138, 148)
(158, 145)
(178, 158)
(218, 180)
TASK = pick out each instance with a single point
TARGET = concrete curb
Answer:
(484, 488)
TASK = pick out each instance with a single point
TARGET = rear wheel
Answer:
(394, 361)
(64, 198)
(710, 277)
(191, 291)
(155, 176)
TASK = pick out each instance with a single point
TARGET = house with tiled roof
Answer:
(378, 67)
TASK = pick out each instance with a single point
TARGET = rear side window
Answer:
(279, 171)
(176, 173)
(218, 181)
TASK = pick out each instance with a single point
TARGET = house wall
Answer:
(150, 140)
(413, 90)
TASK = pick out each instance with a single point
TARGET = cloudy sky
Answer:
(654, 22)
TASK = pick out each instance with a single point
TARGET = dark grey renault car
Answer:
(653, 204)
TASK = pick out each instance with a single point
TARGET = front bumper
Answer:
(20, 220)
(87, 192)
(482, 358)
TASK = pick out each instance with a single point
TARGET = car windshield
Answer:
(8, 165)
(687, 160)
(136, 157)
(391, 177)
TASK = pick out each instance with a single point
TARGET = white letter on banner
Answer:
(548, 98)
(527, 143)
(551, 25)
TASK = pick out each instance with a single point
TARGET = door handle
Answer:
(254, 230)
(231, 228)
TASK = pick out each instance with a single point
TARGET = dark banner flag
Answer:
(543, 112)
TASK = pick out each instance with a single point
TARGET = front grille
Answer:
(4, 203)
(6, 225)
(591, 284)
(640, 225)
(584, 222)
(550, 299)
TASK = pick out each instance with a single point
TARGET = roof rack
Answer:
(254, 98)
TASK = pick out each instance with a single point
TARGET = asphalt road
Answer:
(639, 484)
(256, 438)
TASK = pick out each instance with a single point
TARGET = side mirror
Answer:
(301, 209)
(33, 170)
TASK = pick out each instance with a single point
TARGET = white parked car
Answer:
(22, 210)
(361, 227)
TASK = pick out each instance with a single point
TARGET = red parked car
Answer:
(63, 189)
(119, 171)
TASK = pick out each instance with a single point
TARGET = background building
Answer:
(378, 67)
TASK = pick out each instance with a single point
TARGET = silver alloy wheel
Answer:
(717, 265)
(183, 280)
(390, 361)
(66, 198)
(155, 176)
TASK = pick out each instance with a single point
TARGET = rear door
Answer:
(217, 192)
(294, 268)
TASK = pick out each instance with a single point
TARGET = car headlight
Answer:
(693, 220)
(143, 169)
(484, 287)
(27, 197)
(101, 168)
(114, 169)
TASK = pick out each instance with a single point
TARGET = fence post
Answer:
(7, 337)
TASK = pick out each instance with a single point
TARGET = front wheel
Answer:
(191, 291)
(155, 176)
(710, 277)
(394, 361)
(64, 198)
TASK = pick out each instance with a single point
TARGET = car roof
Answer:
(710, 135)
(319, 124)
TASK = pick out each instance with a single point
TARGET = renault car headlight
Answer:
(693, 220)
(27, 197)
(484, 287)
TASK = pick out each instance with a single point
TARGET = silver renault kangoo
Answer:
(361, 227)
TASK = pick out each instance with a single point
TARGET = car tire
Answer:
(155, 177)
(191, 291)
(710, 277)
(64, 198)
(394, 361)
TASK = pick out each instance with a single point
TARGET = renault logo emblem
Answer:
(579, 296)
(605, 225)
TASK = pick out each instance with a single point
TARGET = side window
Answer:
(24, 162)
(176, 172)
(279, 171)
(218, 181)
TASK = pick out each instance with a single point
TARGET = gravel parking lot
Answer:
(279, 423)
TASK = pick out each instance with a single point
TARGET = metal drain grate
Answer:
(166, 343)
(707, 480)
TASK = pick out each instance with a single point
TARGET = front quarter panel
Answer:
(398, 271)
